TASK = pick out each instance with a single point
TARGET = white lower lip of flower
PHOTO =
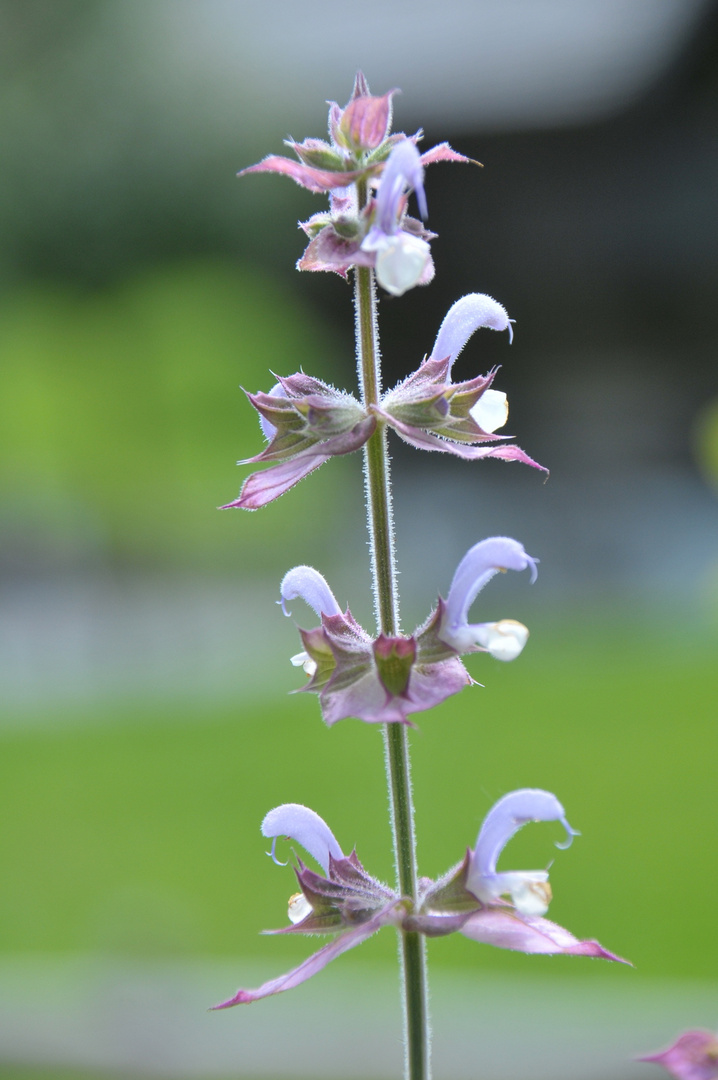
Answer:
(491, 411)
(504, 639)
(304, 660)
(299, 907)
(400, 263)
(529, 890)
(532, 896)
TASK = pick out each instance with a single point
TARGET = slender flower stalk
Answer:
(369, 176)
(396, 743)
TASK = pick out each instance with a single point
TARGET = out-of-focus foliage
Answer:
(121, 417)
(707, 441)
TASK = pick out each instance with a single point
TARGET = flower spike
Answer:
(361, 150)
(403, 260)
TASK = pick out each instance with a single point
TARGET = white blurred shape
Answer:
(487, 65)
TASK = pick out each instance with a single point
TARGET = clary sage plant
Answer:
(387, 676)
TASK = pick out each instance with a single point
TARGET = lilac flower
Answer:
(345, 901)
(381, 235)
(504, 639)
(528, 889)
(403, 170)
(348, 902)
(449, 904)
(430, 412)
(361, 150)
(693, 1056)
(387, 679)
(403, 259)
(447, 631)
(378, 681)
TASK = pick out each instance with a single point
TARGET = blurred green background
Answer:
(145, 725)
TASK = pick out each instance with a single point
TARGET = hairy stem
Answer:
(396, 744)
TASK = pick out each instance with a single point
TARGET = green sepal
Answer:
(381, 153)
(449, 895)
(430, 649)
(317, 646)
(346, 227)
(394, 658)
(329, 416)
(430, 412)
(319, 155)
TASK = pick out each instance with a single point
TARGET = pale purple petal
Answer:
(316, 180)
(477, 567)
(366, 120)
(303, 825)
(403, 169)
(366, 699)
(263, 487)
(341, 944)
(309, 585)
(424, 440)
(269, 430)
(506, 817)
(443, 152)
(431, 684)
(428, 272)
(329, 251)
(463, 318)
(529, 889)
(693, 1056)
(506, 930)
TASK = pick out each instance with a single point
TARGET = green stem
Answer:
(396, 744)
